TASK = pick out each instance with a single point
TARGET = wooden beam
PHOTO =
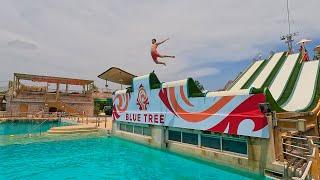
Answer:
(57, 92)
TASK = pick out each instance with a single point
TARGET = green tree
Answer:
(93, 87)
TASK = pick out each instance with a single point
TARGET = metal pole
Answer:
(288, 13)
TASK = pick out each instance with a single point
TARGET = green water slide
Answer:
(239, 82)
(274, 73)
(305, 92)
(316, 95)
(268, 67)
(288, 84)
(287, 73)
(260, 73)
(247, 84)
(269, 70)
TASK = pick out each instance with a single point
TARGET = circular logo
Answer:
(142, 99)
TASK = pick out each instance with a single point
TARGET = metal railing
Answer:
(36, 127)
(100, 121)
(302, 156)
(84, 119)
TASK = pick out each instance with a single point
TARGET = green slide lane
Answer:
(290, 83)
(316, 95)
(255, 75)
(245, 76)
(305, 93)
(274, 72)
(278, 84)
(304, 90)
(265, 73)
(241, 75)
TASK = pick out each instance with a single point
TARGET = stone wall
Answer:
(87, 107)
(34, 107)
(102, 95)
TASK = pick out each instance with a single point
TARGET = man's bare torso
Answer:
(154, 47)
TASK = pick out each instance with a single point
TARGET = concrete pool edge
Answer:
(146, 141)
(229, 160)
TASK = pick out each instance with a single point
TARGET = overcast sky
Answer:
(212, 40)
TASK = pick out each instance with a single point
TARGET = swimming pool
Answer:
(103, 158)
(28, 126)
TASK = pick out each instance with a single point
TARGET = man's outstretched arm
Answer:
(162, 41)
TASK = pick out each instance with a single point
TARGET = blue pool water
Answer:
(24, 127)
(103, 158)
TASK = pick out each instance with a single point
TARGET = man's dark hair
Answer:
(154, 40)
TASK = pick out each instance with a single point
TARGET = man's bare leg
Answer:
(159, 62)
(164, 56)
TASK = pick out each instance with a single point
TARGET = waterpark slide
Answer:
(257, 74)
(245, 77)
(305, 89)
(292, 85)
(279, 83)
(264, 74)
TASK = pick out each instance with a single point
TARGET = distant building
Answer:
(3, 102)
(23, 98)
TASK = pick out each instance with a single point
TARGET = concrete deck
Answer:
(102, 123)
(73, 129)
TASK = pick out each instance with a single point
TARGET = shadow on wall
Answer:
(3, 103)
(53, 109)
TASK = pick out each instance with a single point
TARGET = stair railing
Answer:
(36, 127)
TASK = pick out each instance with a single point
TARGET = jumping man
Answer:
(154, 53)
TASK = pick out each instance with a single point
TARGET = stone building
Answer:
(30, 94)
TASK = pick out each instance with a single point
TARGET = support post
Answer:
(272, 152)
(278, 143)
(301, 125)
(315, 170)
(14, 83)
(18, 84)
(57, 92)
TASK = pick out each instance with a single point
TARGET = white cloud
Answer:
(21, 44)
(81, 38)
(202, 72)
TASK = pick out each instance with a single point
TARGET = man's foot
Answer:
(173, 56)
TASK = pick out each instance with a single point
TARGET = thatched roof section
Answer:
(117, 75)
